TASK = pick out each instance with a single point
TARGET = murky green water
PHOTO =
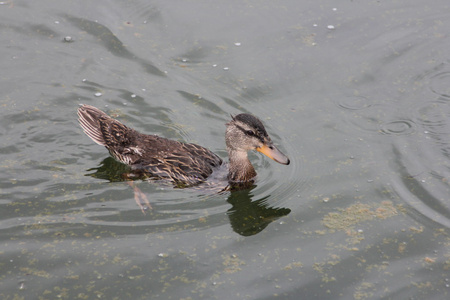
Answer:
(357, 94)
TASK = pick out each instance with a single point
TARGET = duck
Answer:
(184, 164)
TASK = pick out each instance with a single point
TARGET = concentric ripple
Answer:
(440, 84)
(398, 127)
(435, 117)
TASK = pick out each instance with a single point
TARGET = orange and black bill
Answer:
(272, 152)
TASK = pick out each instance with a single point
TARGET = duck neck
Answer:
(240, 168)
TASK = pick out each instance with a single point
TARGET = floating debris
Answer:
(98, 94)
(68, 39)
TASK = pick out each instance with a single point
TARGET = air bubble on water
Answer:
(56, 22)
(133, 95)
(68, 39)
(315, 25)
(84, 80)
(226, 68)
(369, 180)
(214, 65)
(125, 103)
(98, 94)
(184, 60)
(237, 44)
(331, 27)
(334, 9)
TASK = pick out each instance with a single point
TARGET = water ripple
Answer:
(353, 102)
(434, 116)
(440, 84)
(398, 127)
(425, 196)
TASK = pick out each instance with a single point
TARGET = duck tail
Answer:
(90, 120)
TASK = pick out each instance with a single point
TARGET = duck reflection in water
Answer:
(249, 217)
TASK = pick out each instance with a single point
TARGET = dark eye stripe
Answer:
(257, 135)
(247, 132)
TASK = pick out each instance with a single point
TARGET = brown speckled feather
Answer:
(183, 163)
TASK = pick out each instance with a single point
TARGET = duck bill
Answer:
(273, 153)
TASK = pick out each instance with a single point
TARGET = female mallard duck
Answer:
(182, 163)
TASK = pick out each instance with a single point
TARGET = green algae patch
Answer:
(357, 213)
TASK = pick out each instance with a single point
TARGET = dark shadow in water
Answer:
(111, 42)
(110, 170)
(249, 217)
(246, 217)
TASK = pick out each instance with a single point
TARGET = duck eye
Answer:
(249, 133)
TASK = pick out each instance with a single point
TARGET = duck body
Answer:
(184, 164)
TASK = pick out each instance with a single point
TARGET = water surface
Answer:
(355, 93)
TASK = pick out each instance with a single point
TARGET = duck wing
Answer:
(180, 162)
(186, 164)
